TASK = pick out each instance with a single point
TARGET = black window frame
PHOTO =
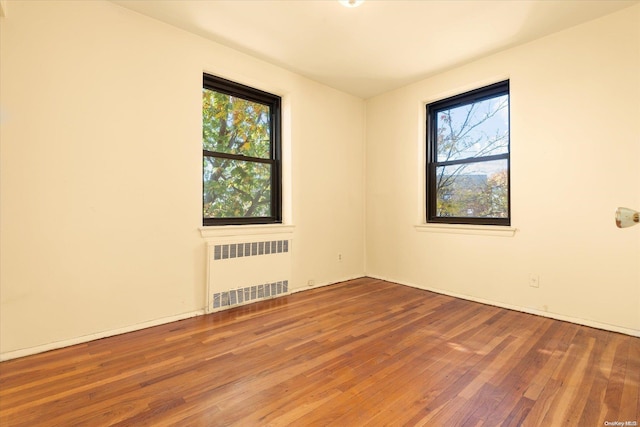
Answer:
(432, 109)
(274, 102)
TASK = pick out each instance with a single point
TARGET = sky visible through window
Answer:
(473, 130)
(476, 130)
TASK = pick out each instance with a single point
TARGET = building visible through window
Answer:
(468, 157)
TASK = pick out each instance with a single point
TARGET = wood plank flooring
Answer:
(360, 353)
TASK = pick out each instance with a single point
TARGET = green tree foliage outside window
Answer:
(468, 158)
(240, 154)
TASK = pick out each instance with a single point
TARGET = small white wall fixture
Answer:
(626, 217)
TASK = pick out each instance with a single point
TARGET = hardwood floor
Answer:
(363, 352)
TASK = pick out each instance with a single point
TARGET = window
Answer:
(468, 158)
(241, 172)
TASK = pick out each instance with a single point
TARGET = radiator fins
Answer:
(249, 294)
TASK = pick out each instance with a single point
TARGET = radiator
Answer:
(242, 272)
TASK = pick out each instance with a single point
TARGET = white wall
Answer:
(575, 144)
(101, 172)
(100, 175)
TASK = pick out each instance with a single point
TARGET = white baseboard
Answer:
(91, 337)
(556, 316)
(86, 338)
(329, 283)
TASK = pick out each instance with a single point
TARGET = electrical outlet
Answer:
(534, 280)
(340, 257)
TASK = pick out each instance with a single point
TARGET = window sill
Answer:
(483, 230)
(244, 230)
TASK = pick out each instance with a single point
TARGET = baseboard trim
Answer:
(91, 337)
(131, 328)
(556, 316)
(321, 284)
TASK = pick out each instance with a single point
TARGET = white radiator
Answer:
(245, 271)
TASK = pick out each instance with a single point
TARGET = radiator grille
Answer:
(239, 250)
(249, 294)
(243, 272)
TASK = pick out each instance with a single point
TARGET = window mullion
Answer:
(239, 157)
(473, 160)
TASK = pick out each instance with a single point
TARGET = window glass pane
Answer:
(236, 188)
(473, 130)
(475, 190)
(235, 125)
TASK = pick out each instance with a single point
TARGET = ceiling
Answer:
(380, 45)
